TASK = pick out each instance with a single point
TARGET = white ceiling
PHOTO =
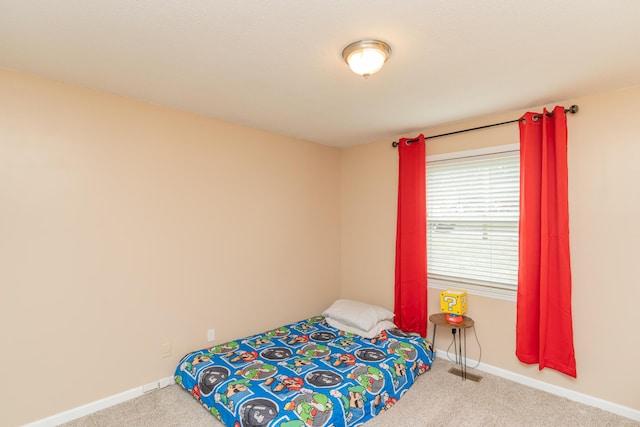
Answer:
(277, 64)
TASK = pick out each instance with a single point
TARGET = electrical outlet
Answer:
(211, 335)
(165, 350)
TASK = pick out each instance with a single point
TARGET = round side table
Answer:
(440, 319)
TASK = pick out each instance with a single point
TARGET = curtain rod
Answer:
(573, 109)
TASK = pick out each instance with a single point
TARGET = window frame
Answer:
(472, 289)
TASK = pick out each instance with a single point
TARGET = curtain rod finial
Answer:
(573, 109)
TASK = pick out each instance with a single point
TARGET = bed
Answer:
(307, 373)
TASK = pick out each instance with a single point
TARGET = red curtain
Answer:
(544, 330)
(410, 303)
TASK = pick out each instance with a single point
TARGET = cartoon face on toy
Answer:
(258, 412)
(211, 377)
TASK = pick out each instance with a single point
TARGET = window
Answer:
(472, 221)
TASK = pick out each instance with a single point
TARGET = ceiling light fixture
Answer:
(366, 57)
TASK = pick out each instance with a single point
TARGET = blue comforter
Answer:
(304, 374)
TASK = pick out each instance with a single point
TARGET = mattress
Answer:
(304, 374)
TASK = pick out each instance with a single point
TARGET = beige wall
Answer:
(124, 226)
(604, 211)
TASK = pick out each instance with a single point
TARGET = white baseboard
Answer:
(625, 411)
(98, 405)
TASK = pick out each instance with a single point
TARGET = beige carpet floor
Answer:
(438, 398)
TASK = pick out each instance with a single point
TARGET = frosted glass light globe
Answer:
(366, 61)
(366, 57)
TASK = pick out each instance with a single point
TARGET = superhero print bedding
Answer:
(304, 374)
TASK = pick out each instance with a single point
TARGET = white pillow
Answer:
(357, 314)
(379, 327)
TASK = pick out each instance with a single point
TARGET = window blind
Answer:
(472, 219)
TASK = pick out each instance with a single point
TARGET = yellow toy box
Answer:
(453, 302)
